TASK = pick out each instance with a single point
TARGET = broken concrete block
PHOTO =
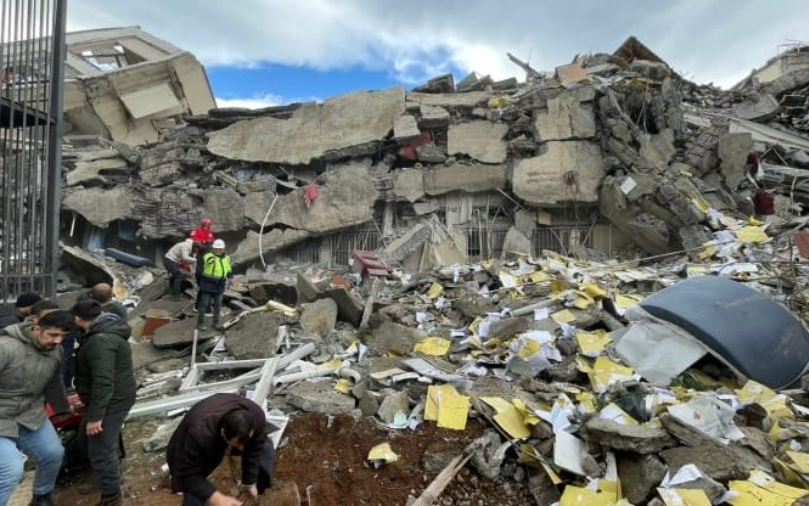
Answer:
(99, 206)
(761, 110)
(517, 245)
(569, 116)
(710, 459)
(441, 84)
(319, 397)
(275, 240)
(433, 117)
(320, 317)
(256, 205)
(225, 207)
(145, 354)
(651, 69)
(569, 171)
(347, 197)
(394, 403)
(431, 154)
(409, 184)
(658, 148)
(481, 140)
(348, 309)
(411, 241)
(629, 438)
(93, 171)
(450, 100)
(640, 475)
(461, 177)
(405, 129)
(346, 125)
(508, 327)
(526, 222)
(177, 334)
(392, 337)
(307, 292)
(253, 337)
(733, 149)
(542, 488)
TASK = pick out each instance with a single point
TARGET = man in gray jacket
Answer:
(30, 374)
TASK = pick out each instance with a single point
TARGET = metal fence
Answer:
(32, 55)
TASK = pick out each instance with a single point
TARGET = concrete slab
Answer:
(253, 337)
(100, 206)
(476, 177)
(409, 184)
(346, 125)
(481, 140)
(319, 397)
(569, 171)
(567, 117)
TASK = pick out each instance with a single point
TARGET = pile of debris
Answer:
(603, 382)
(620, 137)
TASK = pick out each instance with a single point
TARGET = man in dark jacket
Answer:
(105, 383)
(11, 314)
(102, 293)
(218, 423)
(30, 374)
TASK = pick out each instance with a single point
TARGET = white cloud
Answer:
(713, 40)
(257, 102)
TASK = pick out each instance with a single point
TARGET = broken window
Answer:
(110, 57)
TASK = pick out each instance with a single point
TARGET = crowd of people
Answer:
(47, 352)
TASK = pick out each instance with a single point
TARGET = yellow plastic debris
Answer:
(563, 316)
(433, 346)
(774, 403)
(435, 290)
(761, 489)
(752, 220)
(446, 406)
(593, 290)
(578, 496)
(384, 453)
(508, 417)
(606, 372)
(539, 277)
(800, 461)
(751, 234)
(583, 301)
(592, 344)
(624, 301)
(343, 386)
(683, 497)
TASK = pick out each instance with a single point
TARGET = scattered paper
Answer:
(433, 346)
(508, 417)
(542, 313)
(569, 453)
(683, 497)
(435, 290)
(762, 489)
(709, 415)
(563, 316)
(605, 372)
(446, 406)
(592, 344)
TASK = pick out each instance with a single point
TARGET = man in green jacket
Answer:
(105, 383)
(30, 374)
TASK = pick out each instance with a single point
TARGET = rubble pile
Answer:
(618, 138)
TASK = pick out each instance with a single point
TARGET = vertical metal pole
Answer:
(5, 31)
(55, 143)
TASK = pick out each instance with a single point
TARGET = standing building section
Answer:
(32, 54)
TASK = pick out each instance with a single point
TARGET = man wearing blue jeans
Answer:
(30, 374)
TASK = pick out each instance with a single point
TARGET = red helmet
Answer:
(206, 222)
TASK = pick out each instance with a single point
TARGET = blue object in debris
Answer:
(128, 258)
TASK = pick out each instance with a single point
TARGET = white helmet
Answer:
(219, 244)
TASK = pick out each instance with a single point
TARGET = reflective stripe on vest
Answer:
(214, 266)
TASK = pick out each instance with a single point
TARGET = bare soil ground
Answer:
(323, 459)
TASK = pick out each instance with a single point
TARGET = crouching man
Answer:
(219, 423)
(30, 374)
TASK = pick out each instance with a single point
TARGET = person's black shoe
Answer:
(219, 327)
(42, 500)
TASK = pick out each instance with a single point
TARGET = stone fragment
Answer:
(412, 240)
(481, 140)
(343, 126)
(99, 206)
(256, 205)
(409, 184)
(225, 207)
(145, 354)
(710, 459)
(508, 327)
(348, 309)
(433, 117)
(275, 240)
(177, 334)
(471, 304)
(568, 117)
(405, 129)
(517, 245)
(542, 488)
(733, 149)
(392, 404)
(93, 171)
(659, 148)
(436, 457)
(760, 109)
(640, 475)
(629, 438)
(253, 337)
(569, 171)
(392, 337)
(462, 177)
(450, 100)
(431, 154)
(319, 317)
(346, 198)
(319, 397)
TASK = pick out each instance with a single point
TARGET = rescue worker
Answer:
(30, 374)
(216, 271)
(203, 234)
(179, 262)
(219, 423)
(105, 382)
(11, 314)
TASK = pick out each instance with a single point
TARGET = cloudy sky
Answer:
(261, 52)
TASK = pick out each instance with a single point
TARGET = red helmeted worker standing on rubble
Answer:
(203, 234)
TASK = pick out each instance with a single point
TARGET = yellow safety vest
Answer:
(214, 266)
